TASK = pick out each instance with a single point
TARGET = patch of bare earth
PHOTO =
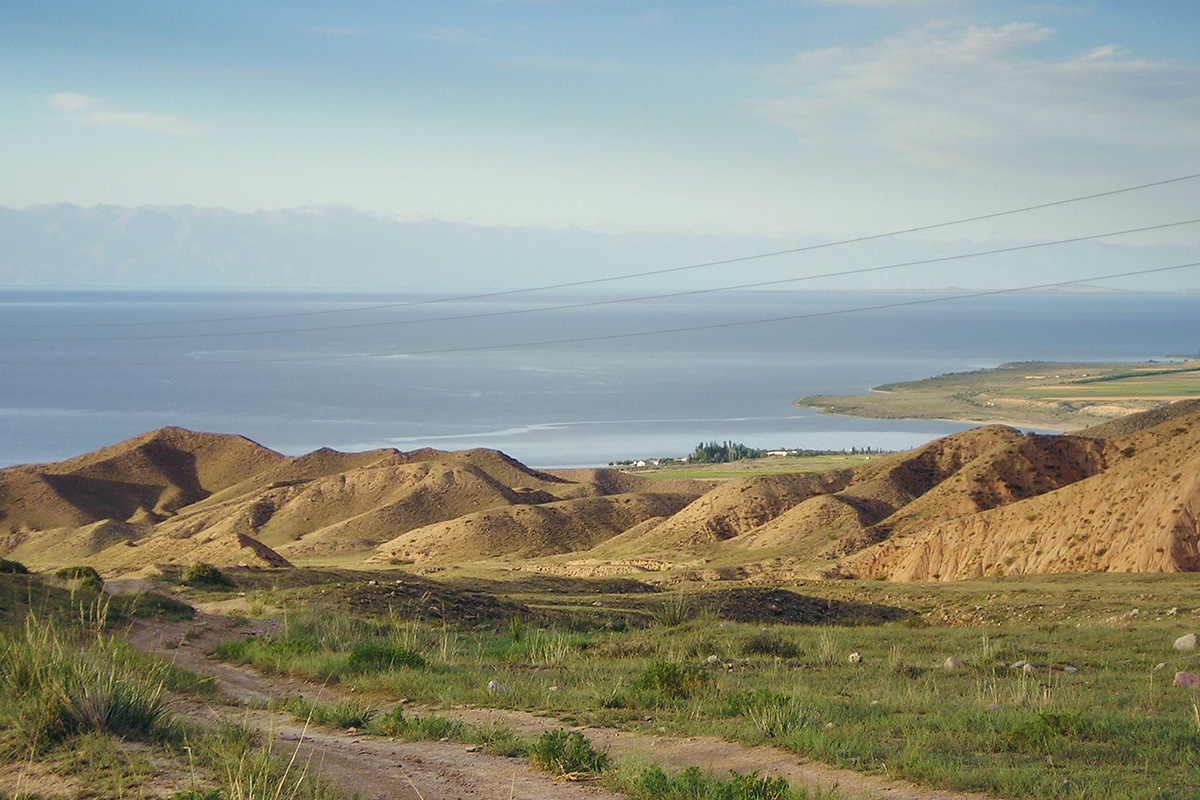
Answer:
(378, 767)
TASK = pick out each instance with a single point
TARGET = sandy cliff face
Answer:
(1138, 515)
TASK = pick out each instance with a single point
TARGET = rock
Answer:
(1187, 680)
(1071, 670)
(854, 658)
(1027, 669)
(1188, 641)
(496, 687)
(951, 664)
(1172, 611)
(712, 659)
(1160, 666)
(1019, 665)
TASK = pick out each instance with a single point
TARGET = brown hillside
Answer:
(529, 531)
(1139, 515)
(729, 509)
(148, 477)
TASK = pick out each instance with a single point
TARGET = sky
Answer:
(758, 118)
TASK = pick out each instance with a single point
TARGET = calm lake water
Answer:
(298, 371)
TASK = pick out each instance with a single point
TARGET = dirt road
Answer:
(378, 768)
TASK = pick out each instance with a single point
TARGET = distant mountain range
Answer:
(336, 248)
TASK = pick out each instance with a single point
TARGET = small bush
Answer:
(770, 644)
(347, 714)
(1039, 732)
(394, 723)
(85, 577)
(155, 606)
(674, 610)
(383, 658)
(671, 680)
(12, 567)
(81, 571)
(692, 784)
(566, 753)
(204, 576)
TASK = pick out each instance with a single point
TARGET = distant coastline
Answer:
(1035, 394)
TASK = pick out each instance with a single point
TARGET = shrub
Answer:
(12, 567)
(347, 714)
(394, 723)
(770, 644)
(81, 571)
(382, 658)
(202, 575)
(692, 784)
(565, 753)
(154, 605)
(671, 680)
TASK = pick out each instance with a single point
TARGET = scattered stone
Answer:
(1071, 670)
(554, 688)
(1019, 665)
(1187, 680)
(496, 687)
(854, 658)
(372, 583)
(951, 664)
(828, 726)
(1188, 641)
(1027, 669)
(1172, 611)
(598, 604)
(712, 659)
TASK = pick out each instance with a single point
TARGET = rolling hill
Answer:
(989, 501)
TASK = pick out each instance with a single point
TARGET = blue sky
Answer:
(789, 118)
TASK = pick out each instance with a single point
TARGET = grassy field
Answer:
(1034, 394)
(749, 466)
(83, 714)
(1064, 688)
(1061, 688)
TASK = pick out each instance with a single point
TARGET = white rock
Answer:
(952, 663)
(854, 658)
(496, 687)
(712, 659)
(1188, 641)
(1027, 669)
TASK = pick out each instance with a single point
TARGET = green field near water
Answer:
(1063, 396)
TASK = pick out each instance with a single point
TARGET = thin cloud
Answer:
(72, 101)
(82, 109)
(978, 98)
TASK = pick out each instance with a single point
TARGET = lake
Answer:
(547, 380)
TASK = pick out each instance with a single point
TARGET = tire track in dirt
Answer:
(379, 768)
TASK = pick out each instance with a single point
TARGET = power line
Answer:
(636, 275)
(639, 334)
(613, 301)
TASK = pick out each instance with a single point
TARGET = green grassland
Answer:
(748, 466)
(1063, 396)
(1094, 715)
(1064, 689)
